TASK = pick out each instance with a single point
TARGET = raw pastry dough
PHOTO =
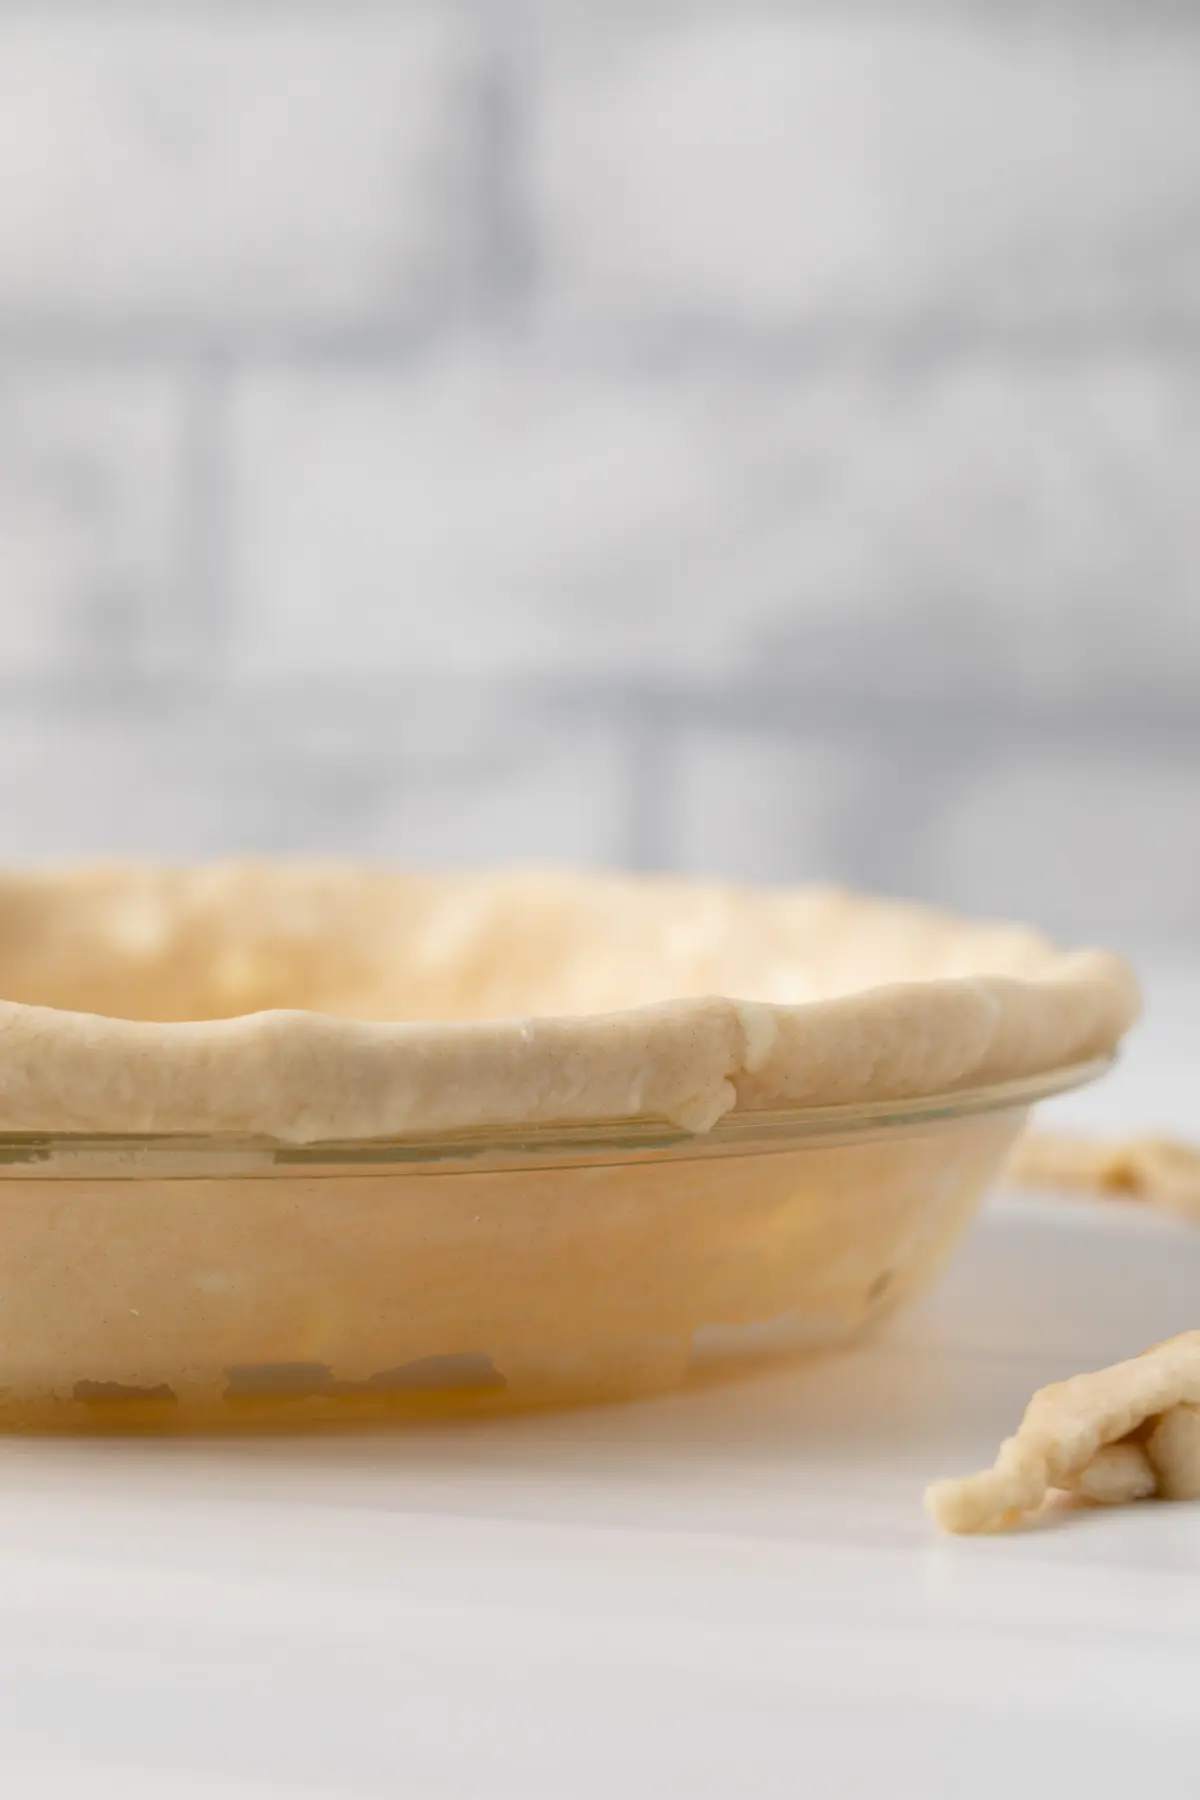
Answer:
(324, 1002)
(1118, 1434)
(1166, 1174)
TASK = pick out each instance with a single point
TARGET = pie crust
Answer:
(330, 1002)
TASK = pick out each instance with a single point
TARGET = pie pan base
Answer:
(174, 1284)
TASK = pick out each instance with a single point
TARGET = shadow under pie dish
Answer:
(295, 1143)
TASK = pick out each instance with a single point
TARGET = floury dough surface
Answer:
(332, 1001)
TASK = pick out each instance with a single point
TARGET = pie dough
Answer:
(1116, 1435)
(314, 1002)
(1157, 1170)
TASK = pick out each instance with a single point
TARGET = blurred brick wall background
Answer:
(747, 437)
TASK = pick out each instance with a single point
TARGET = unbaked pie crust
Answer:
(330, 1002)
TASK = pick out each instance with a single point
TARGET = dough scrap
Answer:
(1159, 1170)
(1103, 1435)
(1174, 1451)
(1116, 1474)
(307, 1002)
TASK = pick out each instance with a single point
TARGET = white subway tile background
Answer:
(761, 167)
(756, 438)
(234, 166)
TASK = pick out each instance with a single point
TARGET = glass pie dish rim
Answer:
(50, 1155)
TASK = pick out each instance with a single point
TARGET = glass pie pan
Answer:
(187, 1283)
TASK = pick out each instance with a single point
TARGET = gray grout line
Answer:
(508, 276)
(745, 704)
(204, 546)
(651, 746)
(167, 342)
(232, 11)
(507, 273)
(1081, 18)
(650, 717)
(1077, 12)
(923, 721)
(1102, 13)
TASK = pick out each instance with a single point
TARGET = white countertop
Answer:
(730, 1593)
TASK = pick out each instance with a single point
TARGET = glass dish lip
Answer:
(94, 1156)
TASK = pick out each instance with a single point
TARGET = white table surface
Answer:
(731, 1593)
